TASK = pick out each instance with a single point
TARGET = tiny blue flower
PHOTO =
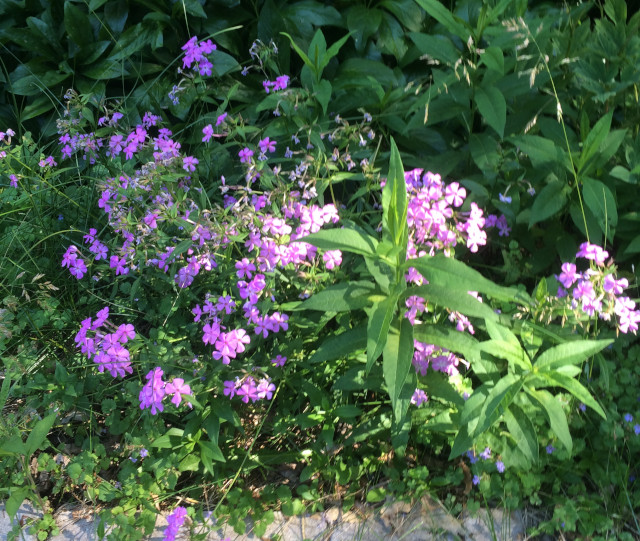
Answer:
(550, 449)
(504, 198)
(628, 417)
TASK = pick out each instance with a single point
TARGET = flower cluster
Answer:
(194, 56)
(439, 359)
(175, 521)
(74, 262)
(597, 290)
(248, 389)
(106, 348)
(280, 83)
(156, 389)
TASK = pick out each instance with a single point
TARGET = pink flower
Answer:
(177, 388)
(208, 133)
(267, 145)
(189, 163)
(245, 155)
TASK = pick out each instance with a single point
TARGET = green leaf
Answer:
(453, 24)
(492, 107)
(322, 91)
(593, 141)
(449, 272)
(438, 47)
(347, 411)
(555, 414)
(394, 205)
(551, 199)
(542, 152)
(509, 351)
(363, 22)
(378, 323)
(493, 58)
(599, 198)
(496, 403)
(307, 61)
(209, 451)
(77, 25)
(573, 352)
(396, 364)
(4, 391)
(453, 299)
(462, 443)
(578, 390)
(341, 297)
(446, 337)
(39, 434)
(333, 51)
(346, 239)
(341, 346)
(17, 496)
(523, 431)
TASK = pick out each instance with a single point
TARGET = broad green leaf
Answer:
(449, 272)
(496, 403)
(484, 150)
(600, 200)
(345, 239)
(363, 22)
(333, 51)
(555, 414)
(593, 141)
(382, 273)
(473, 406)
(39, 434)
(453, 24)
(542, 152)
(212, 450)
(493, 58)
(573, 352)
(492, 107)
(634, 246)
(378, 323)
(316, 53)
(500, 332)
(322, 91)
(453, 299)
(551, 199)
(341, 297)
(394, 204)
(347, 411)
(523, 431)
(575, 388)
(449, 338)
(16, 497)
(462, 443)
(438, 47)
(307, 61)
(77, 25)
(509, 351)
(438, 385)
(341, 346)
(396, 363)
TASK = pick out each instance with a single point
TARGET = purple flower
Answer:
(628, 417)
(550, 449)
(636, 429)
(175, 520)
(153, 392)
(476, 480)
(245, 155)
(177, 388)
(267, 145)
(500, 466)
(189, 163)
(208, 133)
(221, 119)
(144, 453)
(593, 252)
(279, 360)
(419, 397)
(486, 454)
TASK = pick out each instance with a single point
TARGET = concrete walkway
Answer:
(423, 521)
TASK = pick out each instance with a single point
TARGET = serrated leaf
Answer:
(492, 107)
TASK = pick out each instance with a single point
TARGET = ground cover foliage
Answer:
(238, 243)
